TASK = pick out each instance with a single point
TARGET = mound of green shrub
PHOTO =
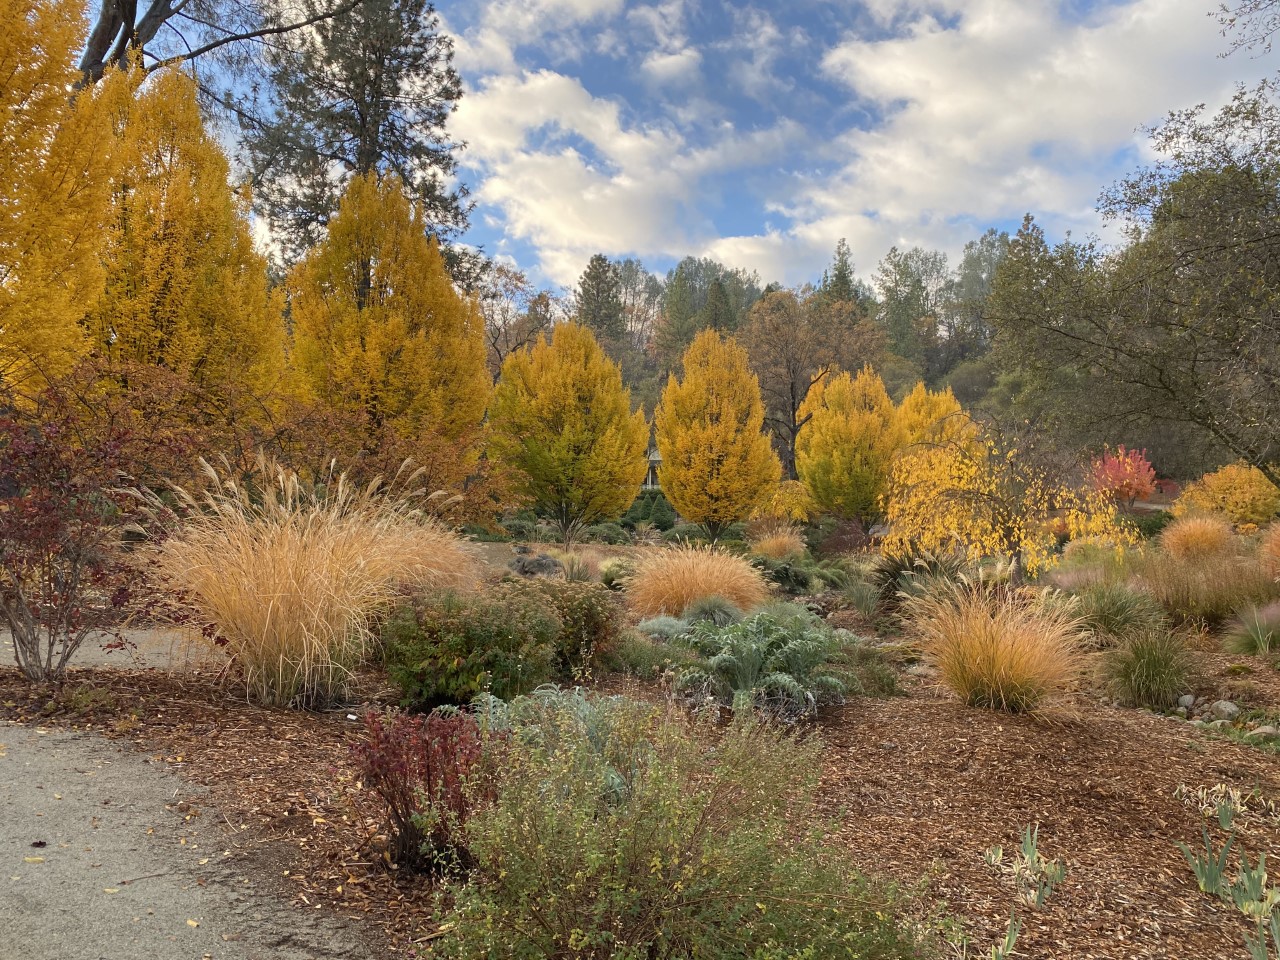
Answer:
(590, 619)
(1151, 669)
(617, 831)
(1113, 610)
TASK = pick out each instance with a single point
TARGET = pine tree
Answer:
(561, 419)
(366, 92)
(718, 313)
(379, 327)
(845, 453)
(717, 463)
(599, 301)
(185, 288)
(55, 165)
(838, 283)
(679, 323)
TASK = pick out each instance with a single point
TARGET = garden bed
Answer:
(920, 787)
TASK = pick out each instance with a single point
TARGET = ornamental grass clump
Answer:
(668, 581)
(1197, 537)
(291, 578)
(1151, 669)
(995, 649)
(779, 543)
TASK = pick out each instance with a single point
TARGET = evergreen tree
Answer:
(369, 91)
(718, 313)
(679, 322)
(599, 301)
(838, 282)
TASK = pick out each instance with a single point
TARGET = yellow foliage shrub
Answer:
(292, 580)
(997, 650)
(1197, 537)
(1240, 492)
(779, 543)
(667, 581)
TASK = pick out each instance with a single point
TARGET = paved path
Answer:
(94, 867)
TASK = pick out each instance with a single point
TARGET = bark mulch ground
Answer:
(920, 786)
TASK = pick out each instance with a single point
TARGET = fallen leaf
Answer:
(110, 889)
(193, 923)
(33, 859)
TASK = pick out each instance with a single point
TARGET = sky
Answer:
(761, 133)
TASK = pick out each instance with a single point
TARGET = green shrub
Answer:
(799, 576)
(765, 662)
(646, 656)
(866, 670)
(863, 597)
(615, 571)
(519, 528)
(590, 619)
(610, 533)
(663, 627)
(1115, 610)
(650, 507)
(1151, 669)
(714, 609)
(685, 533)
(1257, 631)
(447, 649)
(620, 832)
(1148, 523)
(483, 534)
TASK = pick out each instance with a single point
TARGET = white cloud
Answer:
(1013, 110)
(505, 25)
(571, 176)
(680, 66)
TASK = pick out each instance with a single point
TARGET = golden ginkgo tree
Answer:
(717, 463)
(55, 163)
(561, 421)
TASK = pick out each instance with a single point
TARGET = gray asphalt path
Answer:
(107, 856)
(159, 647)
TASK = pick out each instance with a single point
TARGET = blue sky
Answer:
(760, 133)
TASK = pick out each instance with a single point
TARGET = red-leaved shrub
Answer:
(1126, 475)
(422, 770)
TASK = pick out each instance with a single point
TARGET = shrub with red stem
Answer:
(424, 771)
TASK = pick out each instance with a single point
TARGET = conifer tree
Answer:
(718, 313)
(185, 288)
(679, 322)
(838, 283)
(599, 300)
(368, 91)
(717, 463)
(846, 452)
(57, 156)
(378, 326)
(561, 420)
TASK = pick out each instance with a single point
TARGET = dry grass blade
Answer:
(1197, 537)
(779, 544)
(667, 581)
(996, 650)
(292, 577)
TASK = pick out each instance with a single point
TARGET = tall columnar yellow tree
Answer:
(990, 495)
(717, 463)
(561, 419)
(56, 155)
(185, 288)
(379, 328)
(846, 451)
(926, 416)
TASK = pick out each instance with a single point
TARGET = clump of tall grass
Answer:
(1197, 537)
(1113, 611)
(778, 543)
(1151, 669)
(1256, 631)
(1269, 549)
(668, 581)
(995, 649)
(1206, 592)
(291, 578)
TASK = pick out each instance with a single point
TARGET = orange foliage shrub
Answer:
(1197, 537)
(1240, 492)
(667, 581)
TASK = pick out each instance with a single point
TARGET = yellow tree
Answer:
(845, 452)
(561, 420)
(55, 163)
(717, 463)
(926, 416)
(992, 494)
(185, 288)
(380, 330)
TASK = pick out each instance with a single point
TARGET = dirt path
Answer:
(107, 856)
